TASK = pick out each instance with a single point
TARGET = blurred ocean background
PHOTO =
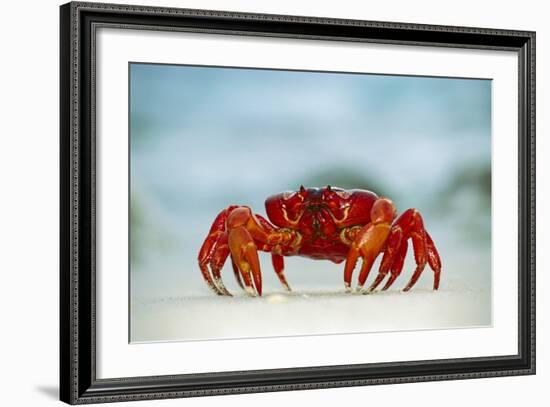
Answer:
(203, 138)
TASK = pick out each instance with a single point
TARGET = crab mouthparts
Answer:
(316, 207)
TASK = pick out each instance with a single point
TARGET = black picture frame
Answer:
(78, 382)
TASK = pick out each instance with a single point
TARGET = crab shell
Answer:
(320, 215)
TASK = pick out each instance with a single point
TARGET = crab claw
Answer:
(243, 250)
(369, 242)
(245, 256)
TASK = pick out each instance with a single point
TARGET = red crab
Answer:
(323, 224)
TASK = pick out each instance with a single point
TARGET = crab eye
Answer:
(328, 193)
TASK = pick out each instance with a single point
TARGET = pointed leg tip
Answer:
(214, 289)
(250, 291)
(220, 286)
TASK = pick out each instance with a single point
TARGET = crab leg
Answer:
(393, 246)
(276, 259)
(418, 237)
(397, 265)
(218, 260)
(209, 247)
(424, 249)
(279, 265)
(412, 225)
(433, 260)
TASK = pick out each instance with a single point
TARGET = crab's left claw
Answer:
(369, 241)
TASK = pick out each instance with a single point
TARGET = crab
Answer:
(326, 223)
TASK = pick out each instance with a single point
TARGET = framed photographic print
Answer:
(256, 203)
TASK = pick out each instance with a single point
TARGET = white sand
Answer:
(303, 313)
